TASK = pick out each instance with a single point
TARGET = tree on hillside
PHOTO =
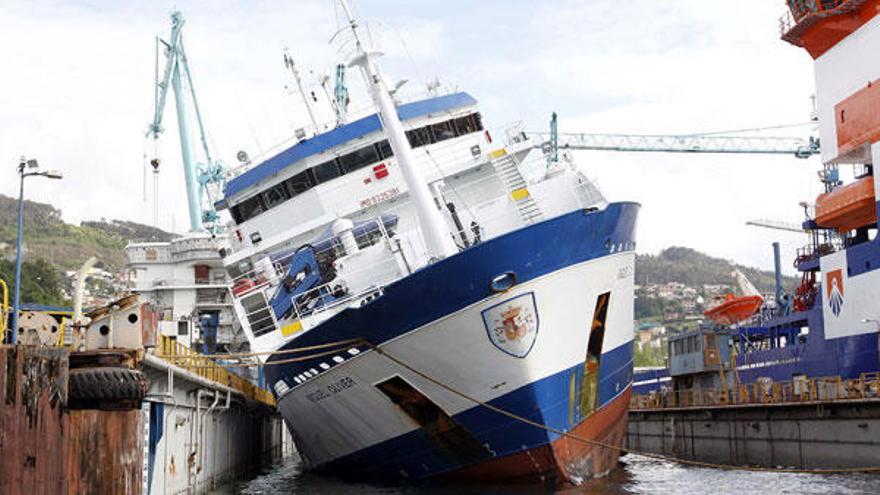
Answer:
(695, 269)
(649, 356)
(40, 282)
(647, 306)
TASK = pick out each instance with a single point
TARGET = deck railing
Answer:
(800, 10)
(825, 389)
(184, 357)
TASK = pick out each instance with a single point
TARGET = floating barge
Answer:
(797, 384)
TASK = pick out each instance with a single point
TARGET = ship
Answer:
(819, 340)
(829, 324)
(431, 302)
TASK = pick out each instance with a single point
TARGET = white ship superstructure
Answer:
(478, 263)
(188, 284)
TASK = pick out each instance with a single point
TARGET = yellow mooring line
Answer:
(595, 443)
(516, 417)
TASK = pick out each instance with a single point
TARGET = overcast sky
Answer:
(77, 94)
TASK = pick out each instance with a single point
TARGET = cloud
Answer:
(79, 87)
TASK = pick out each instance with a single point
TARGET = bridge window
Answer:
(442, 131)
(248, 209)
(350, 162)
(467, 124)
(326, 171)
(384, 149)
(300, 183)
(419, 137)
(276, 196)
(359, 159)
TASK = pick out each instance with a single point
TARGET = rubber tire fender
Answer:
(101, 384)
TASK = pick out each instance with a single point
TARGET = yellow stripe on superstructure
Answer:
(497, 153)
(292, 328)
(519, 194)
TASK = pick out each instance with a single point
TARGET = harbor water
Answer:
(637, 475)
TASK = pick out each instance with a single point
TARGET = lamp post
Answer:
(26, 168)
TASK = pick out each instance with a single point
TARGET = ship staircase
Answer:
(506, 166)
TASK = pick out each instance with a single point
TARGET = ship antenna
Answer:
(433, 228)
(290, 64)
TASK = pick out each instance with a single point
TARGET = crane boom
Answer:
(776, 225)
(685, 143)
(199, 177)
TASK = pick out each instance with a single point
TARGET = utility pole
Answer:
(34, 167)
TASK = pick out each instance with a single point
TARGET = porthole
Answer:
(503, 282)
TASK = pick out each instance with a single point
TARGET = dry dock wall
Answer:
(33, 390)
(826, 434)
(200, 435)
(175, 443)
(45, 448)
(196, 451)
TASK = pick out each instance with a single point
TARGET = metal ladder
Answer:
(508, 171)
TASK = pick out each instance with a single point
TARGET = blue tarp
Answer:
(341, 135)
(44, 308)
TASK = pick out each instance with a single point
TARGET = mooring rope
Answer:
(338, 343)
(297, 359)
(506, 413)
(596, 443)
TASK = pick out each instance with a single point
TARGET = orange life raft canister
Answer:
(848, 207)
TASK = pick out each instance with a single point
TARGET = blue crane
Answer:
(201, 178)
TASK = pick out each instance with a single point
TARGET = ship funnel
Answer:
(777, 271)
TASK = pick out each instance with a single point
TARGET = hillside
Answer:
(50, 242)
(53, 247)
(695, 269)
(67, 246)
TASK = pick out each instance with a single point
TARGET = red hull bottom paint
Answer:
(566, 458)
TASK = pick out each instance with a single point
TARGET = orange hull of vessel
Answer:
(566, 457)
(734, 310)
(848, 207)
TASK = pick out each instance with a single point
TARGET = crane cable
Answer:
(524, 420)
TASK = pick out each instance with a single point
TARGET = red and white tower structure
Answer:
(843, 37)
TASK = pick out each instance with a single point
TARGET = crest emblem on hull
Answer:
(834, 290)
(512, 325)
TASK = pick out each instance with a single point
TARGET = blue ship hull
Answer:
(486, 437)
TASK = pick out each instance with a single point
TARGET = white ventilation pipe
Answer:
(342, 228)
